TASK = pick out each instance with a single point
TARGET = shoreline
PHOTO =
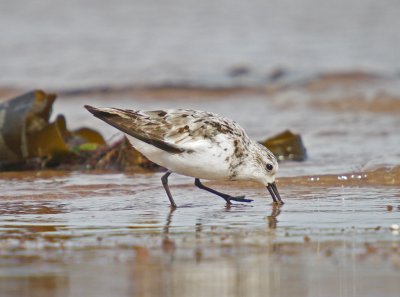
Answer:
(313, 83)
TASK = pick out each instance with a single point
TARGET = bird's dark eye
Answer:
(269, 167)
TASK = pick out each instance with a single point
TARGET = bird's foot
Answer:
(277, 204)
(237, 198)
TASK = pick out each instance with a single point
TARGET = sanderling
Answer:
(194, 143)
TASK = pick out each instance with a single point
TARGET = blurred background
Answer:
(71, 44)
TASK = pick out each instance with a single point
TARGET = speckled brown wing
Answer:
(169, 130)
(181, 126)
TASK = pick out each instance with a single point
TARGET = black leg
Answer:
(226, 197)
(164, 180)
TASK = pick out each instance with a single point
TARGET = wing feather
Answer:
(174, 131)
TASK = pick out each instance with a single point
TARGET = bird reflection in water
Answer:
(168, 245)
(272, 218)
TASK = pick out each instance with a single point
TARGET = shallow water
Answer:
(90, 233)
(117, 202)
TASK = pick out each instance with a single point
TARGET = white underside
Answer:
(206, 162)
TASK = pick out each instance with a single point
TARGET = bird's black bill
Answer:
(273, 190)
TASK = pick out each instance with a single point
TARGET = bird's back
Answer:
(186, 141)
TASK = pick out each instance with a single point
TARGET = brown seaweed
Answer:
(28, 139)
(286, 146)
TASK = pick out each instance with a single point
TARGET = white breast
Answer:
(207, 160)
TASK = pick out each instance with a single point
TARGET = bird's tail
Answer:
(119, 118)
(125, 120)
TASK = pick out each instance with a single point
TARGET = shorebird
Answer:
(195, 143)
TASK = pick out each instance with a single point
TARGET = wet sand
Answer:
(76, 233)
(112, 233)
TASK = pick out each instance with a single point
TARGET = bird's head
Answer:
(268, 167)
